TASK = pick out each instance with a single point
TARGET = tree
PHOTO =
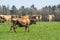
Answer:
(53, 9)
(34, 10)
(50, 9)
(4, 10)
(0, 9)
(58, 6)
(8, 11)
(14, 10)
(32, 6)
(22, 10)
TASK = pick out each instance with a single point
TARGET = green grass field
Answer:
(39, 31)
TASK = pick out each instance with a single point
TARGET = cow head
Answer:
(32, 21)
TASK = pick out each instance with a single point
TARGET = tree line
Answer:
(32, 10)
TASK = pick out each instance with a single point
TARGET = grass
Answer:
(39, 31)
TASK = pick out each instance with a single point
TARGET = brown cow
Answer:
(21, 22)
(5, 17)
(36, 17)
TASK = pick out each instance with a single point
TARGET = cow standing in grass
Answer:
(5, 17)
(40, 17)
(50, 17)
(23, 21)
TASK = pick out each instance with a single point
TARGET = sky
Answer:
(27, 3)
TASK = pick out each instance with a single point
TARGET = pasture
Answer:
(39, 31)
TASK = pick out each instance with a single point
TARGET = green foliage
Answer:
(40, 31)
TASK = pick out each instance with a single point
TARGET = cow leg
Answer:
(11, 28)
(14, 28)
(28, 28)
(25, 28)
